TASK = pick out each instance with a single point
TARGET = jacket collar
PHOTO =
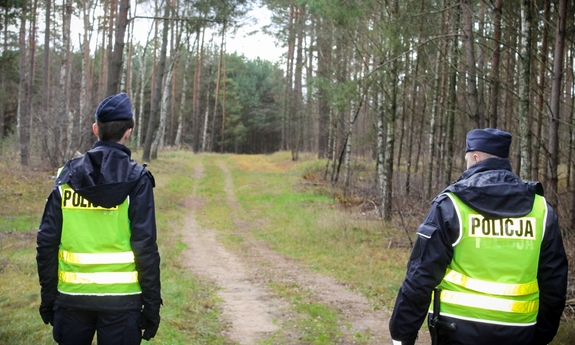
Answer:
(114, 145)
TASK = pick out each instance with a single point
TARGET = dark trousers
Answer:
(77, 327)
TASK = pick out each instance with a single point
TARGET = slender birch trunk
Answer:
(182, 109)
(157, 87)
(206, 121)
(524, 87)
(164, 108)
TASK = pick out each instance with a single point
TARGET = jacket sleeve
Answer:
(47, 245)
(431, 254)
(143, 241)
(552, 278)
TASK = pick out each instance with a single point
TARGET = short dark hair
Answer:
(113, 130)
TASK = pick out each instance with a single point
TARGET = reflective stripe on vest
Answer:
(98, 277)
(491, 287)
(99, 258)
(487, 302)
(492, 277)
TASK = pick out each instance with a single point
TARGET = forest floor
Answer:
(252, 310)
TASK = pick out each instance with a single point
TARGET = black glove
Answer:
(150, 322)
(47, 313)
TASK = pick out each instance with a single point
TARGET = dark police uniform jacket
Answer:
(492, 189)
(106, 176)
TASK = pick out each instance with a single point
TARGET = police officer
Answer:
(492, 245)
(98, 261)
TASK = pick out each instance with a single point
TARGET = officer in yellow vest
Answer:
(492, 247)
(98, 261)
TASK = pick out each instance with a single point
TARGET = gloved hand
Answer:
(47, 313)
(150, 322)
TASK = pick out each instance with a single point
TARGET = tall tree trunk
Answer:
(411, 107)
(471, 70)
(115, 62)
(65, 81)
(572, 160)
(288, 90)
(386, 203)
(23, 116)
(480, 69)
(495, 59)
(4, 79)
(339, 118)
(324, 42)
(412, 115)
(164, 109)
(389, 147)
(541, 95)
(86, 82)
(225, 73)
(310, 135)
(217, 91)
(347, 165)
(297, 113)
(105, 49)
(157, 92)
(197, 123)
(524, 87)
(182, 109)
(139, 113)
(32, 62)
(206, 121)
(432, 139)
(453, 62)
(555, 115)
(570, 80)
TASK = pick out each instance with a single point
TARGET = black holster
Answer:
(435, 323)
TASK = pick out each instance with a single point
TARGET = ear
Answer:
(95, 129)
(477, 158)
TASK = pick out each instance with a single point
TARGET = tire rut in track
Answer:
(359, 314)
(252, 311)
(246, 307)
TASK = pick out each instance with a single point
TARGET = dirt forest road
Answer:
(254, 312)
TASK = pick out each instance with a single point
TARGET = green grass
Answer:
(302, 223)
(276, 205)
(190, 313)
(315, 323)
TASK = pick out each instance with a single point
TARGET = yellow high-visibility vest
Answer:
(492, 277)
(95, 256)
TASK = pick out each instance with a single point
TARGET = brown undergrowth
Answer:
(362, 198)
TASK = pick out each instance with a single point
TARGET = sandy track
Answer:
(252, 311)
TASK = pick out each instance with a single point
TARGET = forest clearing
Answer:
(252, 253)
(308, 174)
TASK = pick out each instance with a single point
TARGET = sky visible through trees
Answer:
(396, 84)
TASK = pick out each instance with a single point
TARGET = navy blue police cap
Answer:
(489, 140)
(114, 108)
